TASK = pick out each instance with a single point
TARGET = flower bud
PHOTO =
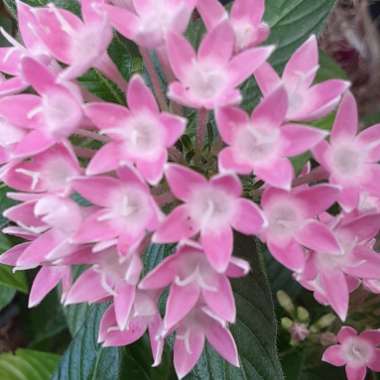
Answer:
(285, 302)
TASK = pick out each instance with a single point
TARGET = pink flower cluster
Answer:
(138, 172)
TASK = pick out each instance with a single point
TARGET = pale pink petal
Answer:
(139, 96)
(218, 247)
(319, 153)
(229, 120)
(218, 44)
(333, 355)
(212, 12)
(123, 302)
(365, 227)
(11, 256)
(300, 138)
(349, 198)
(372, 336)
(153, 171)
(291, 255)
(106, 115)
(156, 342)
(237, 268)
(12, 86)
(33, 143)
(136, 329)
(229, 183)
(227, 162)
(124, 21)
(251, 9)
(371, 137)
(10, 59)
(267, 78)
(108, 320)
(357, 373)
(179, 93)
(161, 276)
(183, 181)
(249, 219)
(37, 75)
(180, 302)
(346, 332)
(174, 125)
(346, 121)
(374, 364)
(279, 174)
(106, 159)
(318, 237)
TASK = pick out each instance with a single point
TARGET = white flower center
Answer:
(245, 34)
(357, 351)
(9, 134)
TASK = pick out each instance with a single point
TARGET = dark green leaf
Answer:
(6, 296)
(15, 280)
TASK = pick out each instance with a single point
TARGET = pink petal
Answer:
(11, 256)
(153, 171)
(346, 332)
(371, 136)
(175, 127)
(218, 247)
(176, 226)
(139, 96)
(372, 336)
(303, 61)
(179, 94)
(212, 12)
(221, 301)
(37, 75)
(300, 138)
(346, 121)
(183, 181)
(184, 358)
(280, 174)
(290, 255)
(349, 198)
(223, 342)
(12, 86)
(227, 162)
(156, 344)
(180, 53)
(374, 364)
(33, 143)
(46, 280)
(106, 159)
(319, 153)
(162, 275)
(246, 63)
(218, 44)
(333, 355)
(180, 302)
(357, 373)
(10, 58)
(318, 237)
(364, 228)
(229, 120)
(229, 183)
(124, 21)
(267, 78)
(237, 268)
(123, 303)
(106, 115)
(249, 219)
(108, 320)
(87, 288)
(253, 10)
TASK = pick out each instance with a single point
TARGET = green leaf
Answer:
(6, 296)
(15, 280)
(27, 365)
(255, 330)
(99, 85)
(329, 69)
(75, 316)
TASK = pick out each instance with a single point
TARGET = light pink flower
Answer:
(212, 208)
(193, 280)
(306, 101)
(263, 143)
(210, 78)
(245, 19)
(351, 157)
(356, 352)
(152, 20)
(287, 213)
(140, 134)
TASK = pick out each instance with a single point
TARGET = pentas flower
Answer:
(209, 79)
(287, 215)
(126, 209)
(356, 352)
(151, 20)
(212, 208)
(263, 142)
(140, 134)
(192, 279)
(306, 101)
(343, 250)
(245, 18)
(351, 157)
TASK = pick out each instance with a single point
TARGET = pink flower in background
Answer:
(351, 157)
(306, 101)
(140, 134)
(212, 208)
(263, 143)
(209, 79)
(245, 19)
(356, 352)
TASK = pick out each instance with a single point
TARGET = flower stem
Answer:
(201, 130)
(316, 174)
(154, 78)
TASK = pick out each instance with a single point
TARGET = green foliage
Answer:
(27, 365)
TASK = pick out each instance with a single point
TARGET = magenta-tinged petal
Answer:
(303, 61)
(267, 78)
(300, 138)
(161, 276)
(279, 174)
(156, 342)
(177, 226)
(229, 120)
(253, 10)
(227, 162)
(87, 288)
(223, 342)
(10, 58)
(263, 113)
(333, 355)
(180, 53)
(218, 247)
(371, 137)
(365, 227)
(346, 121)
(319, 153)
(123, 21)
(178, 93)
(180, 302)
(186, 354)
(139, 96)
(153, 171)
(106, 159)
(318, 237)
(355, 373)
(37, 75)
(183, 181)
(106, 115)
(212, 12)
(123, 302)
(249, 219)
(246, 63)
(349, 197)
(346, 332)
(372, 336)
(23, 213)
(221, 300)
(336, 291)
(12, 86)
(374, 364)
(11, 256)
(218, 44)
(229, 183)
(237, 268)
(108, 320)
(46, 280)
(174, 127)
(290, 255)
(33, 143)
